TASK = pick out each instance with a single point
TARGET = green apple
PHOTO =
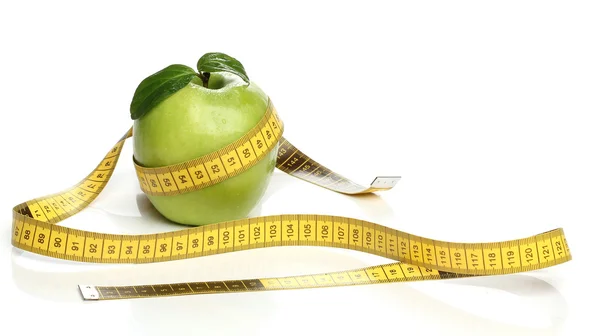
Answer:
(200, 116)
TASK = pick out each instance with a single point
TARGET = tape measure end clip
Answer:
(385, 182)
(89, 292)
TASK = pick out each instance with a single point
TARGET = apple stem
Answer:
(204, 77)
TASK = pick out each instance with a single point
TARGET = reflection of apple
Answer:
(202, 114)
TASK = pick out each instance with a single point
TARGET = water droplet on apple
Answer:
(224, 121)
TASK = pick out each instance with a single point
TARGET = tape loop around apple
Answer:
(243, 154)
(35, 228)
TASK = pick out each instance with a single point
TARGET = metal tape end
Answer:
(385, 182)
(89, 292)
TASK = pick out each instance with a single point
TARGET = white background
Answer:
(488, 110)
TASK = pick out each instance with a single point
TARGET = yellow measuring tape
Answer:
(36, 229)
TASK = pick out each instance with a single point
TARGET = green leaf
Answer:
(213, 62)
(158, 87)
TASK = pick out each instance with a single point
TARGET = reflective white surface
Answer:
(488, 112)
(47, 289)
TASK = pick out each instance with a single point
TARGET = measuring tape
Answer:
(35, 228)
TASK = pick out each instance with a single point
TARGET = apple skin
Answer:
(195, 121)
